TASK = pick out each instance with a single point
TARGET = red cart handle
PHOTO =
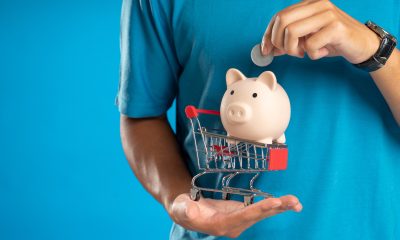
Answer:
(192, 111)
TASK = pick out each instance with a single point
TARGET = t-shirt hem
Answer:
(140, 110)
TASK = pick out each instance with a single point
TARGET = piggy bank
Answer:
(255, 109)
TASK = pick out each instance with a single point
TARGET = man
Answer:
(344, 137)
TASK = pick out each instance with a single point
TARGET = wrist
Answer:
(392, 64)
(372, 45)
(387, 43)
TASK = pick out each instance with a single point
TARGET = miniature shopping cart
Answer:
(218, 153)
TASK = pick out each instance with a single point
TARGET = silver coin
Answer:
(259, 59)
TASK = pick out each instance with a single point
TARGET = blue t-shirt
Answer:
(344, 144)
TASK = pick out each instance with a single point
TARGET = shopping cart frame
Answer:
(220, 153)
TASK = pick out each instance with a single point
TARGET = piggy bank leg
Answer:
(230, 141)
(266, 140)
(281, 139)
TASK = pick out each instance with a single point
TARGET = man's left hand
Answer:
(320, 29)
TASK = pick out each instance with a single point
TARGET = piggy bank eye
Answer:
(254, 95)
(232, 92)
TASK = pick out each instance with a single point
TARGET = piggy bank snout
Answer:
(238, 112)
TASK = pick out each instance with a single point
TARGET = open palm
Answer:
(227, 218)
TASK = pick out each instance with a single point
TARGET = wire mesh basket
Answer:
(218, 153)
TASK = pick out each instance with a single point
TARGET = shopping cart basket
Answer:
(218, 153)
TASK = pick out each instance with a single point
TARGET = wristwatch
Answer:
(378, 60)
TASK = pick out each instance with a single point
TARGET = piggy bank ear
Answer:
(269, 79)
(234, 75)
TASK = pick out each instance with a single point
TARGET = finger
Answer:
(255, 211)
(252, 214)
(237, 229)
(298, 207)
(304, 27)
(248, 216)
(184, 208)
(318, 54)
(301, 45)
(286, 17)
(185, 212)
(278, 52)
(288, 202)
(266, 45)
(315, 45)
(263, 210)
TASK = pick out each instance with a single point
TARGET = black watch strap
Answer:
(386, 47)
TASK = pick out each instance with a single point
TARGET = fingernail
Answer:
(298, 209)
(291, 205)
(264, 49)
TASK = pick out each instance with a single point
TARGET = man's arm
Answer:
(388, 81)
(155, 157)
(320, 29)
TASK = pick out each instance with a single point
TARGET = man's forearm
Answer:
(155, 157)
(388, 81)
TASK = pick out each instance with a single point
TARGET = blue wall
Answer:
(63, 174)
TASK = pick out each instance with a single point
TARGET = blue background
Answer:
(63, 174)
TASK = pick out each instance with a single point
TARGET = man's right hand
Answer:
(163, 172)
(227, 218)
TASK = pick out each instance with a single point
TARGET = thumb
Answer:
(184, 209)
(266, 44)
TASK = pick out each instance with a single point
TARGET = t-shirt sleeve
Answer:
(149, 66)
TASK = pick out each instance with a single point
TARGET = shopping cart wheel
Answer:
(194, 194)
(248, 200)
(226, 196)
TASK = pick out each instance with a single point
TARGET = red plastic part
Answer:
(278, 158)
(213, 112)
(192, 112)
(222, 151)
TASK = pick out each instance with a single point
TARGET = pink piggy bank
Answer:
(255, 109)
